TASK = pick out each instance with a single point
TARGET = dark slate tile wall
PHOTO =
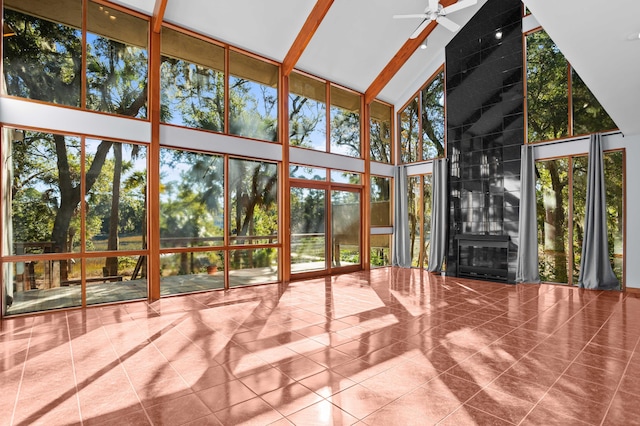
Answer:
(485, 125)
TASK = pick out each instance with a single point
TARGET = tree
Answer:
(44, 62)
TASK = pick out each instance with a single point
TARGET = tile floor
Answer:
(389, 347)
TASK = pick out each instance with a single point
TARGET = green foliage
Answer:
(432, 109)
(547, 89)
(43, 61)
(548, 95)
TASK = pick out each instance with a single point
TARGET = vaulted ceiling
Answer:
(358, 44)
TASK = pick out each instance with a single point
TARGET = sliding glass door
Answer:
(325, 225)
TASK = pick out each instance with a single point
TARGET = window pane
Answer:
(188, 272)
(579, 178)
(308, 173)
(415, 224)
(126, 282)
(345, 177)
(433, 118)
(552, 210)
(345, 228)
(116, 200)
(45, 191)
(307, 112)
(192, 82)
(614, 182)
(43, 50)
(380, 131)
(345, 122)
(253, 98)
(37, 286)
(588, 114)
(117, 62)
(380, 250)
(380, 201)
(308, 230)
(426, 208)
(191, 199)
(250, 267)
(409, 133)
(547, 89)
(253, 194)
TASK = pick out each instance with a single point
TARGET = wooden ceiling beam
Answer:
(399, 59)
(158, 14)
(304, 36)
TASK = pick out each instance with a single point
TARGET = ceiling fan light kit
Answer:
(435, 12)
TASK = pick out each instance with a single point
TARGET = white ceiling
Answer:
(358, 38)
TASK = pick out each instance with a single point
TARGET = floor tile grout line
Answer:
(144, 410)
(574, 358)
(73, 368)
(527, 353)
(24, 367)
(637, 345)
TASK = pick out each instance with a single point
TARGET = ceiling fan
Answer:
(435, 12)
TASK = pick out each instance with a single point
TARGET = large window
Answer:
(192, 82)
(43, 55)
(308, 116)
(191, 199)
(381, 218)
(345, 122)
(75, 220)
(116, 61)
(419, 192)
(43, 50)
(198, 251)
(422, 123)
(561, 195)
(559, 104)
(253, 97)
(380, 132)
(307, 112)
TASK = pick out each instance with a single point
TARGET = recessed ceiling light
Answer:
(498, 35)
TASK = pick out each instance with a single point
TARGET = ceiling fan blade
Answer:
(433, 6)
(448, 23)
(412, 15)
(461, 4)
(421, 27)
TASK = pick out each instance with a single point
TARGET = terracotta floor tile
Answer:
(420, 407)
(542, 417)
(359, 401)
(133, 418)
(178, 411)
(514, 386)
(470, 353)
(225, 395)
(502, 405)
(624, 410)
(300, 368)
(266, 380)
(322, 413)
(469, 416)
(252, 412)
(574, 407)
(590, 390)
(291, 398)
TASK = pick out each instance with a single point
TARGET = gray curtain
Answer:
(401, 250)
(595, 268)
(439, 220)
(527, 268)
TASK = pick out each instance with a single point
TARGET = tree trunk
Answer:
(111, 263)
